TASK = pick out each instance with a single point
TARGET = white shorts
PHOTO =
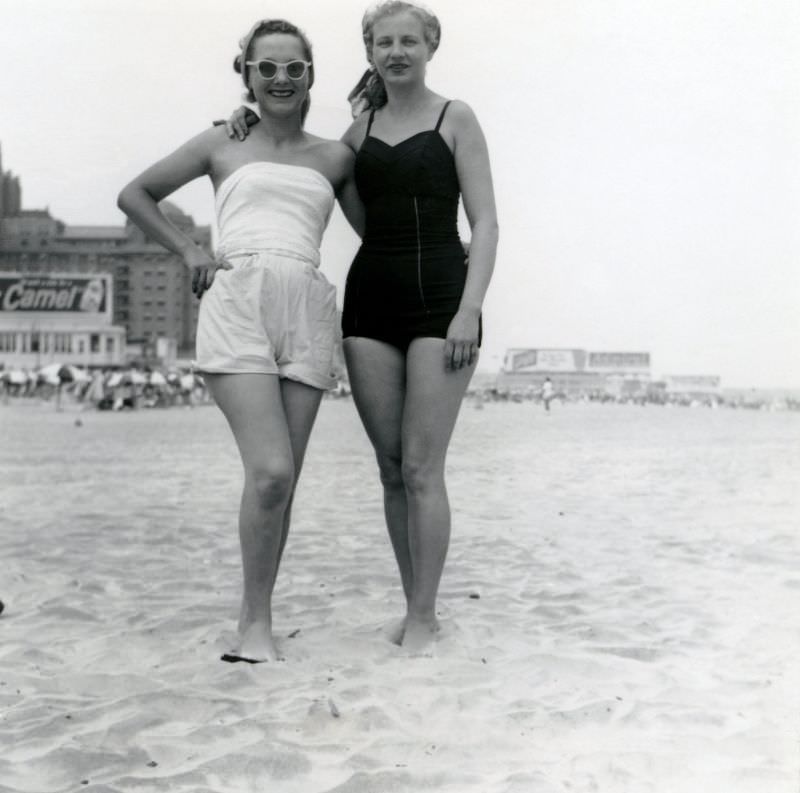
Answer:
(273, 313)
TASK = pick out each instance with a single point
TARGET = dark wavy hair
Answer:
(370, 91)
(265, 27)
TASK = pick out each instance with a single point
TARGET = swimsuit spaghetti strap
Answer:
(371, 119)
(441, 116)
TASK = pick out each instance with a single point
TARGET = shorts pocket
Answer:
(323, 321)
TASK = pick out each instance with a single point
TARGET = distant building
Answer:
(151, 287)
(10, 192)
(693, 386)
(575, 371)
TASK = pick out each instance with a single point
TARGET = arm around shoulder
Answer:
(354, 134)
(346, 191)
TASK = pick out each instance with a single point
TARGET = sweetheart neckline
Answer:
(405, 140)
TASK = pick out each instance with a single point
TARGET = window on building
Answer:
(109, 344)
(62, 342)
(35, 342)
(8, 342)
(81, 346)
(94, 342)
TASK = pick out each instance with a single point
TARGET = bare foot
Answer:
(257, 643)
(396, 631)
(419, 636)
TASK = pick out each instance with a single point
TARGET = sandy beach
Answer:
(619, 609)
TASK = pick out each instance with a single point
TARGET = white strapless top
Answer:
(274, 206)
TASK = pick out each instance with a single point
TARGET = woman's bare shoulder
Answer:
(333, 157)
(460, 112)
(331, 150)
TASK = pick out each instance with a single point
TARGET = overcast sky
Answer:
(646, 155)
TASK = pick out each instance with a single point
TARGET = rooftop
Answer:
(93, 233)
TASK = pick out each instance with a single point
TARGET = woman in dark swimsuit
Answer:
(412, 305)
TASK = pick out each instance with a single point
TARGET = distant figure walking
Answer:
(547, 393)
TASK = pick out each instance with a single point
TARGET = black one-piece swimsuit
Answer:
(408, 276)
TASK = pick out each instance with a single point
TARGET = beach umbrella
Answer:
(135, 377)
(66, 374)
(131, 377)
(77, 374)
(52, 373)
(157, 379)
(15, 377)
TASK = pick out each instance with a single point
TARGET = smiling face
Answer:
(279, 95)
(400, 52)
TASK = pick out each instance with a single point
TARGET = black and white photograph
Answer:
(399, 396)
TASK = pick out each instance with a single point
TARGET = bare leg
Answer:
(300, 404)
(254, 407)
(377, 380)
(433, 399)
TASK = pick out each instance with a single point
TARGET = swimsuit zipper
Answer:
(419, 258)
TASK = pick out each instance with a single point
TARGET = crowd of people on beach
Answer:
(129, 388)
(753, 400)
(155, 386)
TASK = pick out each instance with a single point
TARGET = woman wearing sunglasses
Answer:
(266, 328)
(412, 307)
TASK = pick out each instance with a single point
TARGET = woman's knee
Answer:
(273, 482)
(421, 472)
(391, 471)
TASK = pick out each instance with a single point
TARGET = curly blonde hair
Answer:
(431, 28)
(370, 91)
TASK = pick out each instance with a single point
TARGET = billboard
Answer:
(68, 293)
(620, 361)
(542, 360)
(707, 384)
